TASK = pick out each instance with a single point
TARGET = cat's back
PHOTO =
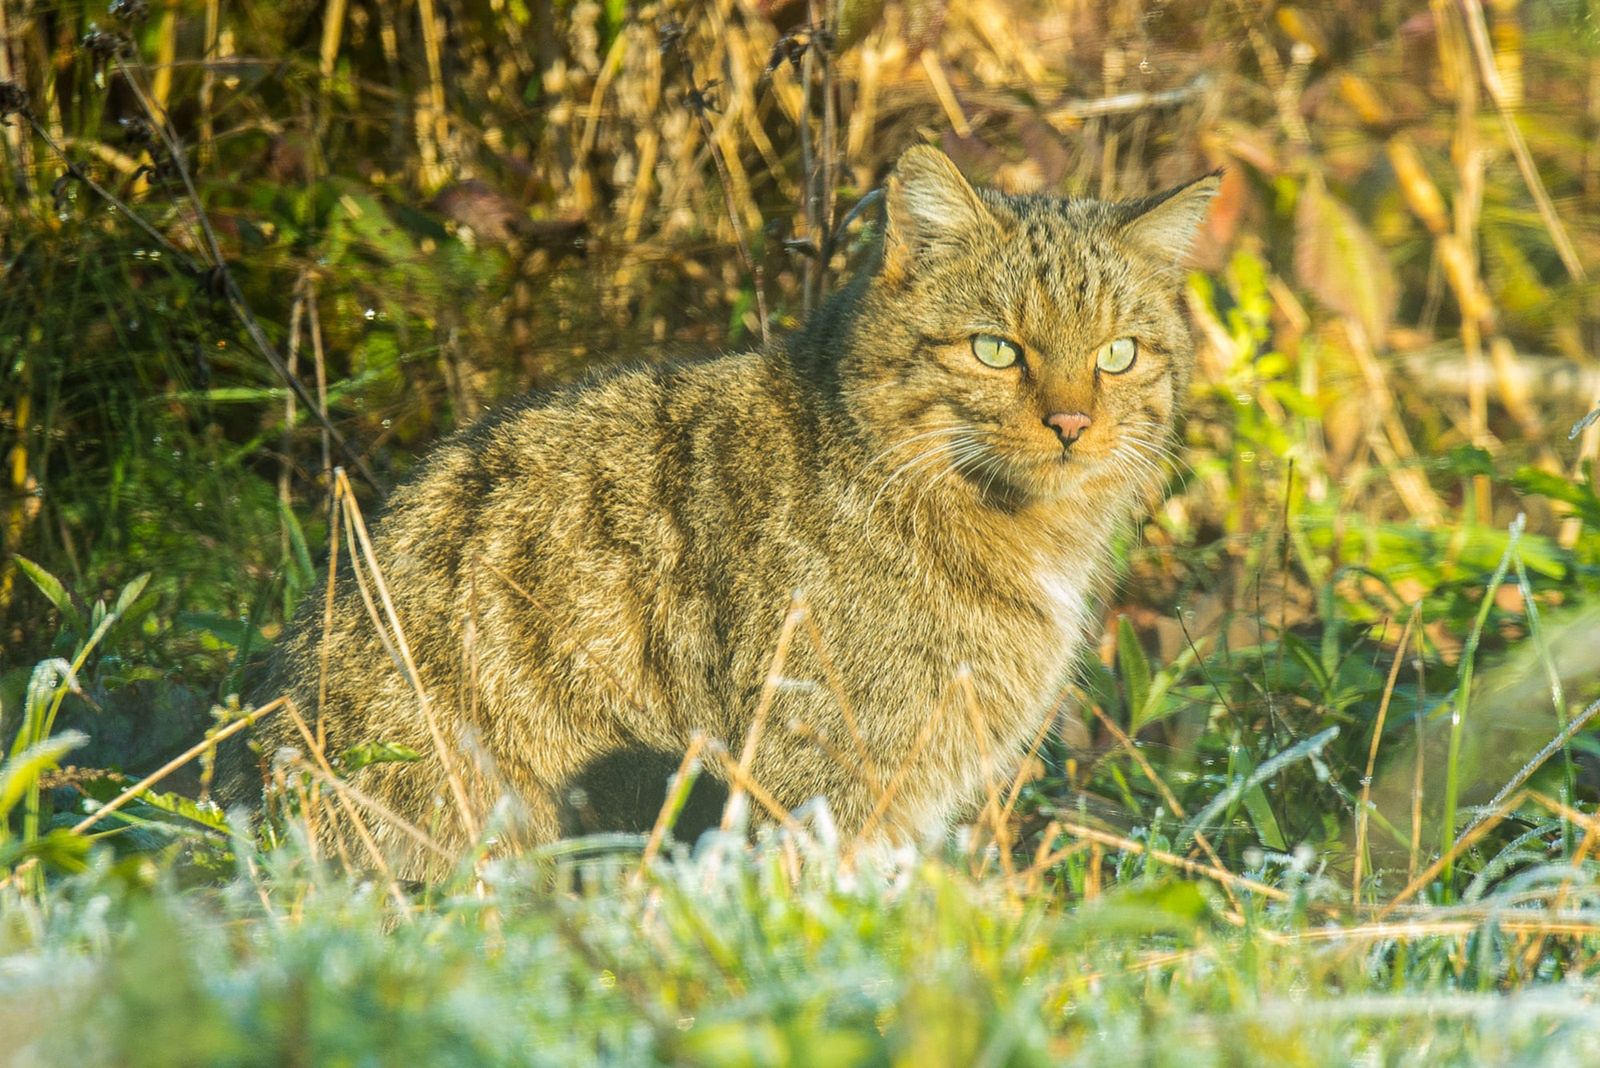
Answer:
(583, 448)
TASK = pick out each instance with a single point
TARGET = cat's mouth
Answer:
(1033, 471)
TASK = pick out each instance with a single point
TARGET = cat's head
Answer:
(1032, 345)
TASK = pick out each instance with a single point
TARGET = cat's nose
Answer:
(1069, 426)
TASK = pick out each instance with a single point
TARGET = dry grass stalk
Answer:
(745, 782)
(1591, 836)
(698, 106)
(208, 83)
(892, 789)
(1458, 251)
(379, 861)
(166, 54)
(367, 558)
(1364, 810)
(868, 767)
(1393, 447)
(769, 690)
(1128, 845)
(373, 805)
(1478, 34)
(681, 782)
(991, 809)
(946, 95)
(208, 742)
(1160, 784)
(1461, 845)
(1025, 768)
(323, 772)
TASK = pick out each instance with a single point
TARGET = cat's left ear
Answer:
(929, 209)
(1166, 223)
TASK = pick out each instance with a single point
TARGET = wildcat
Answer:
(939, 460)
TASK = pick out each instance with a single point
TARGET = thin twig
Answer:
(325, 774)
(980, 734)
(1220, 875)
(236, 300)
(745, 782)
(681, 783)
(356, 524)
(1372, 755)
(1551, 748)
(769, 690)
(697, 105)
(378, 808)
(1461, 845)
(1160, 784)
(1020, 780)
(209, 742)
(1472, 14)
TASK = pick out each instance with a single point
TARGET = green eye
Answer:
(1116, 356)
(994, 351)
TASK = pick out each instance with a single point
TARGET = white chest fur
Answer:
(1063, 594)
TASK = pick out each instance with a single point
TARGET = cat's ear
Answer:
(1166, 223)
(928, 206)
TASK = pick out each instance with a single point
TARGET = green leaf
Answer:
(304, 569)
(23, 770)
(59, 849)
(231, 633)
(1464, 461)
(1155, 705)
(359, 756)
(1134, 668)
(54, 591)
(1558, 488)
(1268, 833)
(1301, 750)
(207, 816)
(1302, 654)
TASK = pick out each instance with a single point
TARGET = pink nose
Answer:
(1069, 426)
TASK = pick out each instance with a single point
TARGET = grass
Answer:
(1326, 795)
(789, 953)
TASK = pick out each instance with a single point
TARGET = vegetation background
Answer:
(1327, 793)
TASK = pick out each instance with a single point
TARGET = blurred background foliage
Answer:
(422, 208)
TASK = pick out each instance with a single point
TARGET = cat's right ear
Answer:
(928, 207)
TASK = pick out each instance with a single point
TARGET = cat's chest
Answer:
(1061, 593)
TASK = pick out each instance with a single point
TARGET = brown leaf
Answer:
(1339, 262)
(924, 21)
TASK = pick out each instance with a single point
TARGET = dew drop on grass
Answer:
(370, 314)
